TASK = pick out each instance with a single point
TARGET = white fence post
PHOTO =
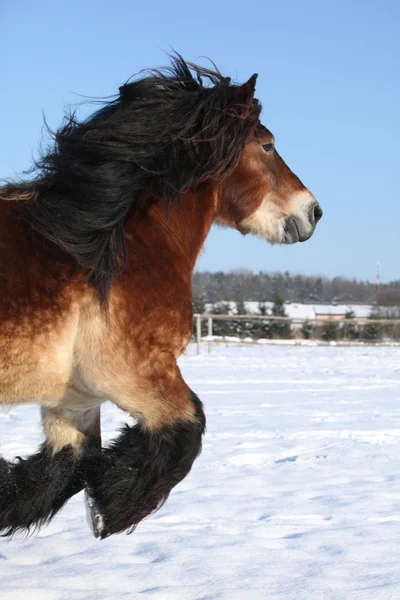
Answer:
(209, 333)
(198, 333)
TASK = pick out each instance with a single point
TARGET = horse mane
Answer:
(168, 131)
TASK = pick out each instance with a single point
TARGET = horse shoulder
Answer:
(148, 322)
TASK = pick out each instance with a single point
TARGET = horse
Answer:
(97, 250)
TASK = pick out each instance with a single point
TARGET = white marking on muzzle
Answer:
(268, 221)
(301, 209)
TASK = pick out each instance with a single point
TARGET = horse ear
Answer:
(245, 92)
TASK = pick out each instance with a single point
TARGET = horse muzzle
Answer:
(300, 227)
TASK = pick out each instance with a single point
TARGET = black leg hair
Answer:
(134, 477)
(32, 490)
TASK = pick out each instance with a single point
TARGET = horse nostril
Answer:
(317, 213)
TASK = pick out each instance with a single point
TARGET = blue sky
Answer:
(328, 81)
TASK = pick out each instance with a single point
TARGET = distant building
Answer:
(329, 312)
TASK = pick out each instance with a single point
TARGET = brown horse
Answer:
(96, 259)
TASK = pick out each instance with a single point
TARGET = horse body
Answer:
(69, 341)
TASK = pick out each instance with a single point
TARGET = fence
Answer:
(345, 330)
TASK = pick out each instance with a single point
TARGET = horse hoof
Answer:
(94, 516)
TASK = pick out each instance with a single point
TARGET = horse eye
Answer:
(268, 147)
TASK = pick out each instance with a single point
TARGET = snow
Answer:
(300, 311)
(296, 310)
(361, 311)
(292, 309)
(296, 495)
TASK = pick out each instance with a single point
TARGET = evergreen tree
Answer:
(221, 327)
(350, 329)
(373, 332)
(331, 331)
(199, 304)
(241, 307)
(261, 329)
(307, 330)
(244, 327)
(280, 329)
(263, 308)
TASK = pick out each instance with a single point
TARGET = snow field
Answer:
(296, 495)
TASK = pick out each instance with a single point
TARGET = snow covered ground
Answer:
(296, 495)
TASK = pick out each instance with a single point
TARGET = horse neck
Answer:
(179, 232)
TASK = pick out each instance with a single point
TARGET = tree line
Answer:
(242, 285)
(350, 329)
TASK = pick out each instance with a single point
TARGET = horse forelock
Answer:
(167, 132)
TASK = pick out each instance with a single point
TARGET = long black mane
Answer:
(166, 132)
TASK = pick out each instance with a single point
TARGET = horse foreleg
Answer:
(134, 477)
(33, 489)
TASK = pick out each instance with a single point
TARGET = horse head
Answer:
(262, 196)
